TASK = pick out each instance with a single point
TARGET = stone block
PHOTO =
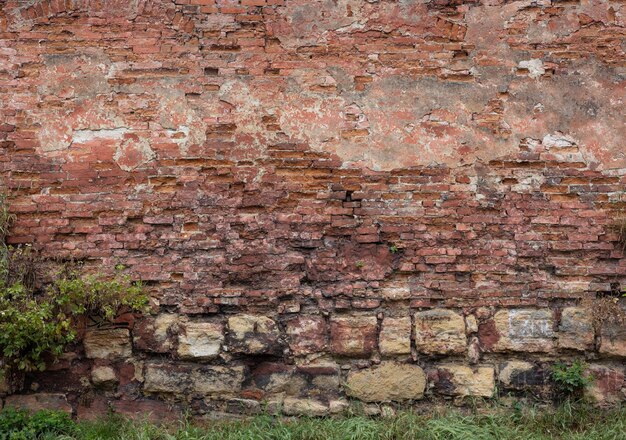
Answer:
(164, 378)
(606, 385)
(461, 380)
(304, 407)
(318, 379)
(253, 334)
(243, 406)
(395, 336)
(576, 329)
(200, 340)
(338, 406)
(471, 324)
(154, 334)
(307, 334)
(40, 401)
(353, 335)
(613, 339)
(389, 381)
(107, 343)
(522, 375)
(212, 380)
(526, 330)
(190, 379)
(323, 378)
(440, 331)
(103, 376)
(277, 378)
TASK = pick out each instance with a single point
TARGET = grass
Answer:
(569, 421)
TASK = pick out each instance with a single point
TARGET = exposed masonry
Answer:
(330, 201)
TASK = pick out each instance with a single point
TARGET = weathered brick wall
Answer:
(389, 200)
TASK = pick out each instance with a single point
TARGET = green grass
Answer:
(571, 422)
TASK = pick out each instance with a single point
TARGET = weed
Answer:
(570, 380)
(17, 424)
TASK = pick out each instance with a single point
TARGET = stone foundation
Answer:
(328, 201)
(317, 364)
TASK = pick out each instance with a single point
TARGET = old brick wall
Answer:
(385, 200)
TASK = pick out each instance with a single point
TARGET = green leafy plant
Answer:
(17, 424)
(36, 322)
(570, 380)
(38, 317)
(360, 264)
(393, 249)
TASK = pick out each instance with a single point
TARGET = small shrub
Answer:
(570, 380)
(34, 323)
(38, 318)
(12, 420)
(49, 421)
(17, 424)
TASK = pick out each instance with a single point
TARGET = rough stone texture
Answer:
(201, 380)
(160, 378)
(613, 339)
(107, 343)
(353, 335)
(155, 333)
(307, 334)
(38, 402)
(252, 334)
(103, 376)
(529, 330)
(200, 340)
(607, 385)
(304, 407)
(308, 169)
(576, 329)
(217, 380)
(395, 336)
(440, 331)
(522, 375)
(274, 379)
(388, 381)
(460, 380)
